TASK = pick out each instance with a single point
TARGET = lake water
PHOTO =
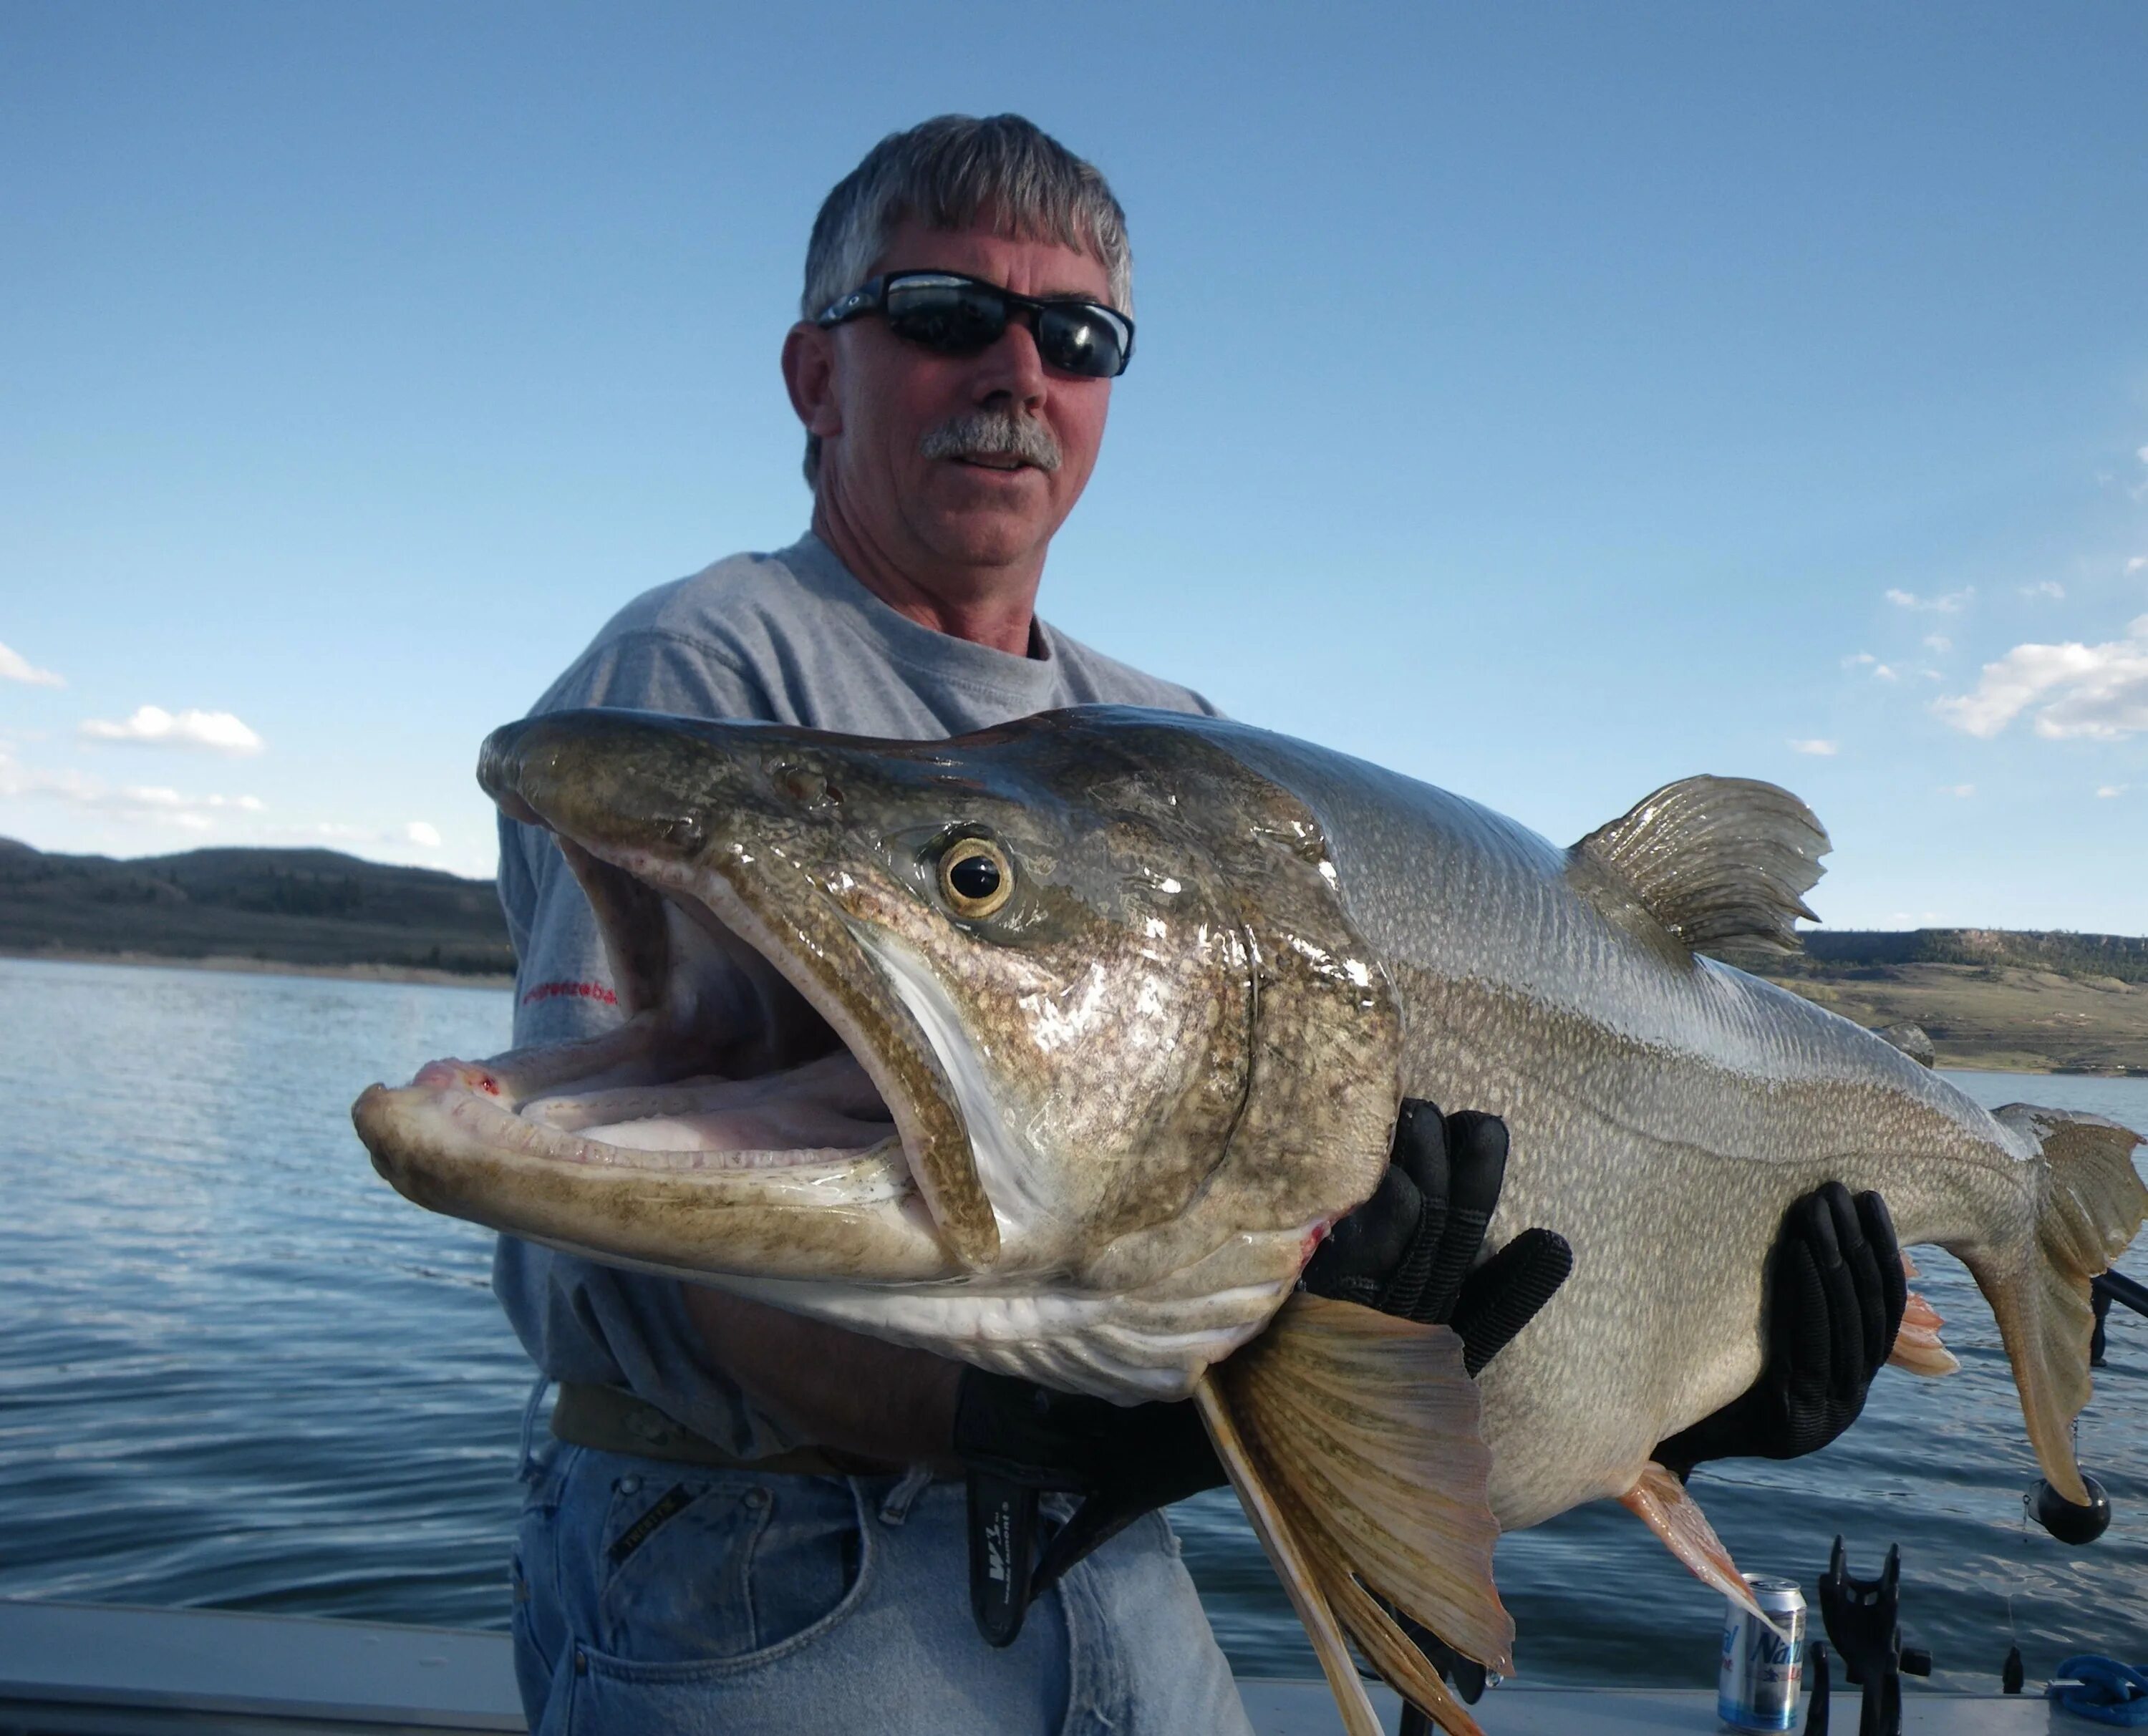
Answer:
(236, 1370)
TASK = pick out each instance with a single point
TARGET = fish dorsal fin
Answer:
(1719, 862)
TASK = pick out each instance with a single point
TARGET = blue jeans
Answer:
(659, 1599)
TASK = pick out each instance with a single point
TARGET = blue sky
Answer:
(1547, 400)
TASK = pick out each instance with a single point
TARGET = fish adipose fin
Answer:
(1364, 1430)
(1667, 1508)
(1719, 862)
(2091, 1207)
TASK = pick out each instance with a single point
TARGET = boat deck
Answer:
(97, 1669)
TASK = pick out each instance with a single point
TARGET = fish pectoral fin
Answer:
(1286, 1551)
(1367, 1431)
(1395, 1655)
(1718, 861)
(1917, 1345)
(1667, 1508)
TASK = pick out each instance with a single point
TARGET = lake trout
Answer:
(1058, 1048)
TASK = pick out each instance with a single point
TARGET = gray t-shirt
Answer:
(790, 638)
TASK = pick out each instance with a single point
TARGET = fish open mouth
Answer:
(768, 1094)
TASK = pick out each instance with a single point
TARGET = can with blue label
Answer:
(1757, 1689)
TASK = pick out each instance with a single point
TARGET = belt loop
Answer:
(903, 1496)
(527, 1448)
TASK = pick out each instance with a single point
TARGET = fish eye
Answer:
(975, 877)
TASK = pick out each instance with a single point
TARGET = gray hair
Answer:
(954, 172)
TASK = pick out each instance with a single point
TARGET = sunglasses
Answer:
(954, 315)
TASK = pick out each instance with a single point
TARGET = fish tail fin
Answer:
(2090, 1208)
(1366, 1432)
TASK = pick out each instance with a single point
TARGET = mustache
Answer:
(994, 434)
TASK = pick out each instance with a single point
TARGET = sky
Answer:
(1549, 401)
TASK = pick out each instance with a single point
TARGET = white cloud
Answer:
(2106, 791)
(154, 803)
(1963, 791)
(2138, 564)
(1823, 749)
(1951, 603)
(2046, 588)
(2100, 692)
(14, 666)
(1939, 642)
(422, 833)
(219, 731)
(1866, 660)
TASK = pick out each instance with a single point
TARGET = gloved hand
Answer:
(1408, 1250)
(1835, 1299)
(1411, 1248)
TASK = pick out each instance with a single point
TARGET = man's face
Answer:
(884, 396)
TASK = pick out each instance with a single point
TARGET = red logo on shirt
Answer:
(576, 991)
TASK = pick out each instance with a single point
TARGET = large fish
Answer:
(1056, 1047)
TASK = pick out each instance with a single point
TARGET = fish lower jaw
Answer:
(825, 1110)
(449, 1123)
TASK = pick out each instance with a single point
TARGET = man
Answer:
(745, 1522)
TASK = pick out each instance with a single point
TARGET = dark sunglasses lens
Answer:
(1080, 341)
(952, 318)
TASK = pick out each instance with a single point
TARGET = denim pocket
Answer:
(724, 1569)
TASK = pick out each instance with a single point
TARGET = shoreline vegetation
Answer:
(354, 973)
(311, 910)
(1996, 999)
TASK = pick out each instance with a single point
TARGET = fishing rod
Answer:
(2113, 1287)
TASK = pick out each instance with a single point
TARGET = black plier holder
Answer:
(1864, 1626)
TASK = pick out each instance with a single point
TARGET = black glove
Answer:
(1018, 1439)
(1409, 1251)
(1411, 1248)
(1834, 1299)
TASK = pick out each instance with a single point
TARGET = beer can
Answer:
(1757, 1688)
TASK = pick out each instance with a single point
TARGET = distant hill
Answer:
(2124, 957)
(2016, 998)
(305, 907)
